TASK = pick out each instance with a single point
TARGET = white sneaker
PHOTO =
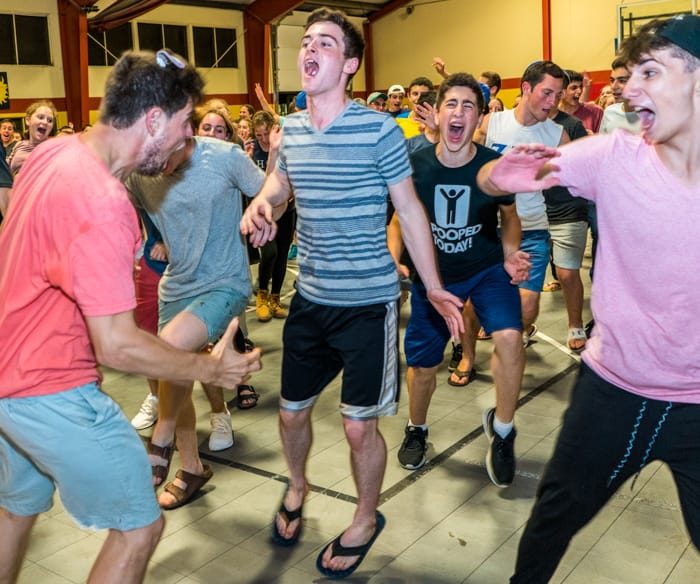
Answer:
(221, 436)
(148, 413)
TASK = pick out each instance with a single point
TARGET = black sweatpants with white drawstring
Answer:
(608, 435)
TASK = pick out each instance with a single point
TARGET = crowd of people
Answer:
(140, 261)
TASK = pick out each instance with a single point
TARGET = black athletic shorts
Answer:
(362, 341)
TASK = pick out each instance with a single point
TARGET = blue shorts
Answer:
(215, 309)
(536, 243)
(80, 442)
(496, 302)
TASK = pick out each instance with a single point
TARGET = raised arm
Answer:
(482, 130)
(439, 66)
(523, 169)
(264, 104)
(416, 236)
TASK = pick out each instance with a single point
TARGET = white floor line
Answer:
(557, 345)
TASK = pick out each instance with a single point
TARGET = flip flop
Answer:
(465, 377)
(193, 484)
(340, 550)
(288, 516)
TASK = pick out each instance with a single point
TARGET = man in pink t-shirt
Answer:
(637, 398)
(67, 252)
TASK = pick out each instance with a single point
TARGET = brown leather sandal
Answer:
(160, 471)
(194, 483)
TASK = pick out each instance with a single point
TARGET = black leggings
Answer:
(608, 435)
(273, 260)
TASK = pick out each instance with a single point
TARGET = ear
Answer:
(154, 118)
(351, 66)
(526, 87)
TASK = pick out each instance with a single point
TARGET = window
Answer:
(25, 40)
(153, 37)
(215, 44)
(116, 41)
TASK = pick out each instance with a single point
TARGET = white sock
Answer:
(423, 427)
(502, 428)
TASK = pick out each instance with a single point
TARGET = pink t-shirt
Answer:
(647, 277)
(67, 251)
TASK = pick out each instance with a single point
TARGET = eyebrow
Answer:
(323, 34)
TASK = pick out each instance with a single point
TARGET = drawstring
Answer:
(633, 438)
(630, 444)
(651, 442)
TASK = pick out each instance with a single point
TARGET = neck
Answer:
(523, 116)
(567, 107)
(324, 108)
(681, 156)
(116, 148)
(456, 159)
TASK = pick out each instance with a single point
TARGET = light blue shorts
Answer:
(536, 243)
(215, 309)
(79, 442)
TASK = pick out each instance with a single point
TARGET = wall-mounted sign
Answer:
(4, 91)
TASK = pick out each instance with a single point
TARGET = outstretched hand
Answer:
(450, 308)
(257, 223)
(525, 168)
(233, 368)
(517, 264)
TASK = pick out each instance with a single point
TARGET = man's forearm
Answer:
(416, 236)
(511, 233)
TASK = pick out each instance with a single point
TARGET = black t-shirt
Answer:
(260, 156)
(561, 206)
(463, 220)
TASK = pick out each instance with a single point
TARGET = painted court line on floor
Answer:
(414, 476)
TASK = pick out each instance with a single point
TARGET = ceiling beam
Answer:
(267, 11)
(388, 9)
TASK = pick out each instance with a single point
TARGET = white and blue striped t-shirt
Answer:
(339, 176)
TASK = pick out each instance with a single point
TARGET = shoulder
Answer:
(484, 155)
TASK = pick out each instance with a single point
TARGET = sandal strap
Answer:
(340, 550)
(288, 515)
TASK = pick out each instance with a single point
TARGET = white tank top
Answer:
(505, 132)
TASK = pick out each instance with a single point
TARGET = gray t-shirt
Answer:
(197, 209)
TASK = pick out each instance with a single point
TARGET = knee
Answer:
(292, 419)
(360, 434)
(508, 342)
(423, 375)
(143, 541)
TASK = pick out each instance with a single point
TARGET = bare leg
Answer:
(572, 286)
(530, 302)
(368, 460)
(296, 435)
(471, 326)
(421, 386)
(215, 395)
(507, 363)
(124, 556)
(15, 530)
(175, 408)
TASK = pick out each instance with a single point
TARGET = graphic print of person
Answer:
(451, 196)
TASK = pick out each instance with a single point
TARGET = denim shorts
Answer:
(496, 302)
(79, 442)
(536, 243)
(215, 309)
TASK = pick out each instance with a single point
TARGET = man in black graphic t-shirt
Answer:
(474, 263)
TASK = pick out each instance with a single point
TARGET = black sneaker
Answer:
(500, 457)
(413, 447)
(456, 357)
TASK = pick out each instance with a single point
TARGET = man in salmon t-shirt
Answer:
(67, 252)
(637, 398)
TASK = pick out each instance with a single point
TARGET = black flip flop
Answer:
(289, 516)
(337, 549)
(251, 398)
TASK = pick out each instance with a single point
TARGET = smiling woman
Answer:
(41, 124)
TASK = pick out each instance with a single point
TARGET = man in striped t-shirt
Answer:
(341, 160)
